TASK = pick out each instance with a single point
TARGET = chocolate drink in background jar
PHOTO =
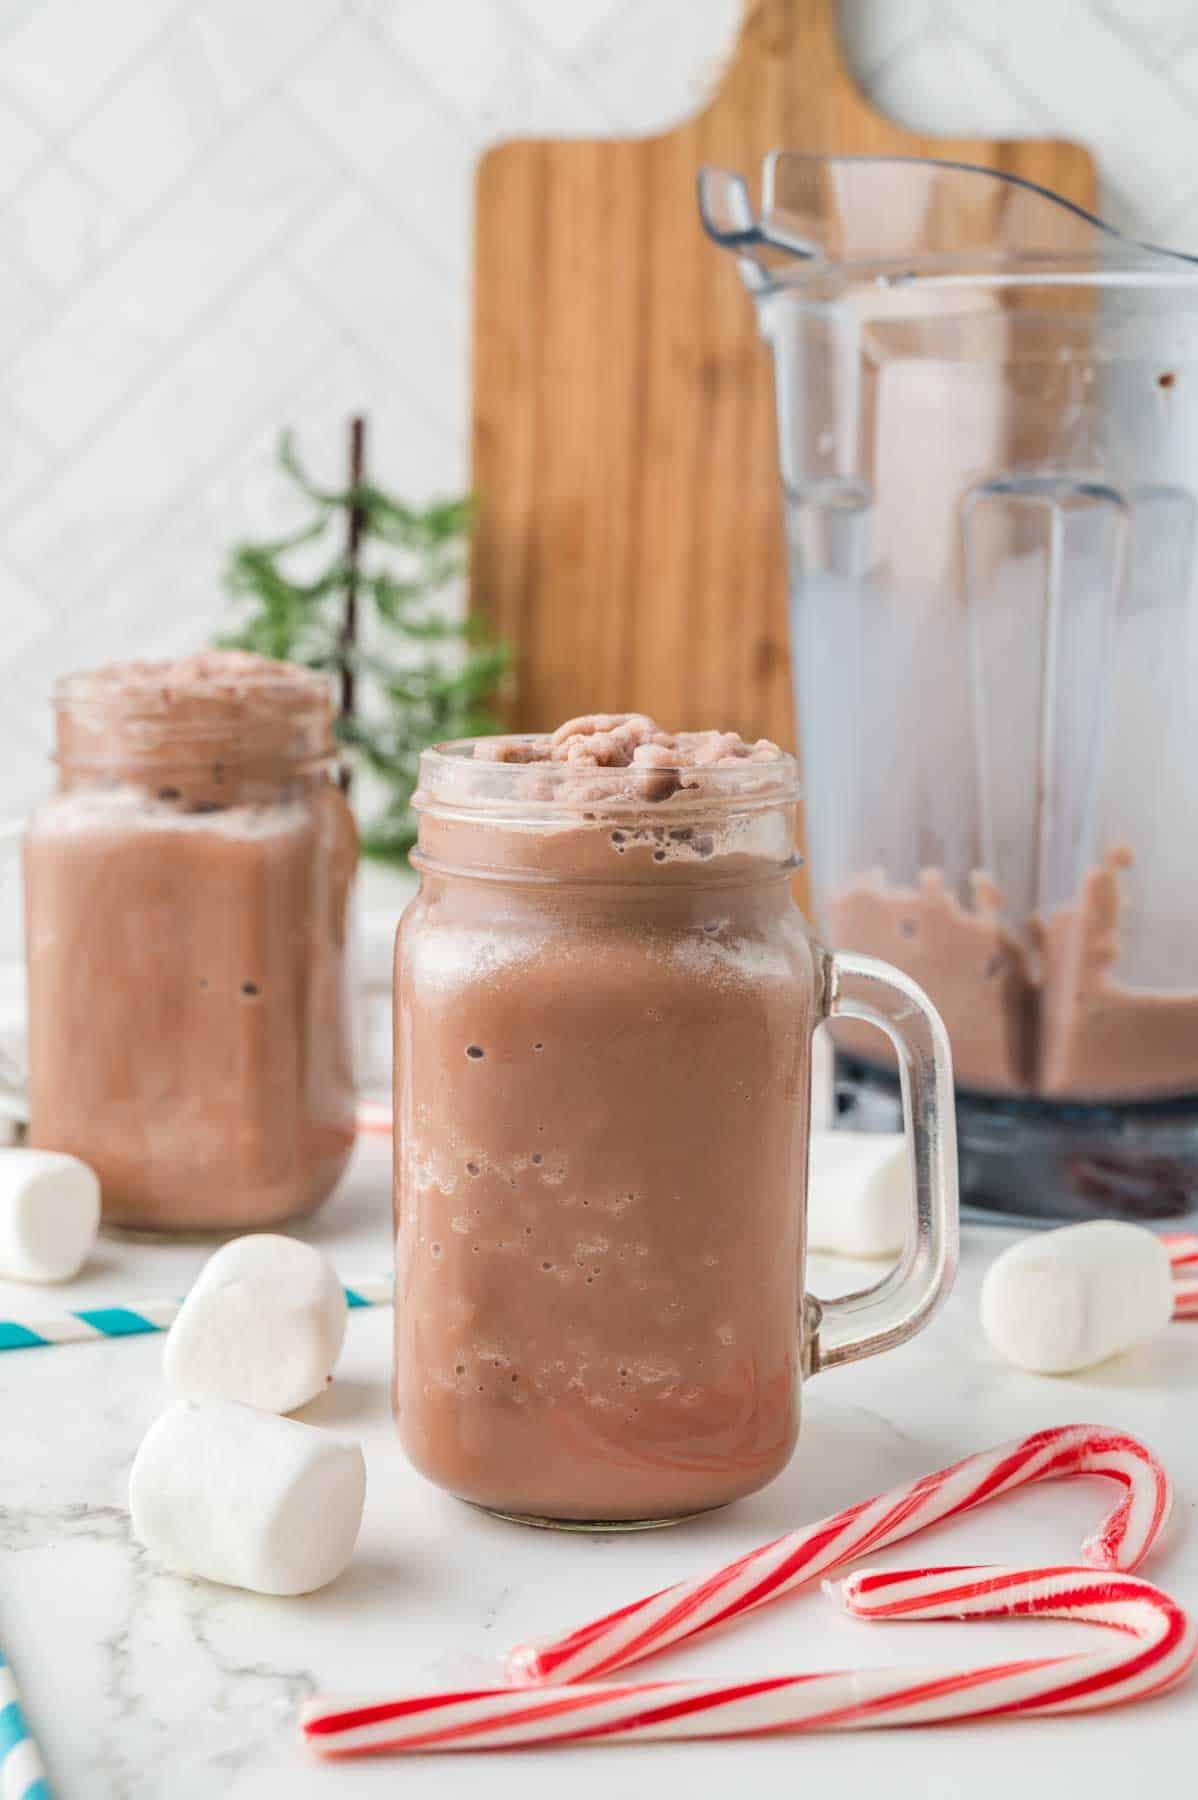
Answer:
(605, 997)
(187, 892)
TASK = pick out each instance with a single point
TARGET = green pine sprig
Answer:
(426, 677)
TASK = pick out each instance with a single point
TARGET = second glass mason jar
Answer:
(187, 892)
(605, 997)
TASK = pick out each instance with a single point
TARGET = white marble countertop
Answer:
(140, 1683)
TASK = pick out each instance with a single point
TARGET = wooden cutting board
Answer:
(630, 543)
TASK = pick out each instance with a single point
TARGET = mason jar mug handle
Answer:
(895, 1308)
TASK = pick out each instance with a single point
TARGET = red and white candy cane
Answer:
(1158, 1645)
(1183, 1257)
(647, 1626)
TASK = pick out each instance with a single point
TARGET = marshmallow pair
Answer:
(222, 1486)
(225, 1490)
(1056, 1302)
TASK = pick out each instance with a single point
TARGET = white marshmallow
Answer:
(859, 1192)
(263, 1324)
(823, 1080)
(1061, 1300)
(49, 1214)
(247, 1498)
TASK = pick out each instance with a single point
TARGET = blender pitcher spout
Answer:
(729, 220)
(907, 217)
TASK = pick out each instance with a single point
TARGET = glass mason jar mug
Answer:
(187, 890)
(605, 997)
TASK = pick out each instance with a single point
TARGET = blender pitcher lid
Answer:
(897, 218)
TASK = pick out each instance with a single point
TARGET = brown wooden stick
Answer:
(353, 548)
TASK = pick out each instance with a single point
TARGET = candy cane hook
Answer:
(647, 1626)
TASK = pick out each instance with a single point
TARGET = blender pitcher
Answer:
(988, 439)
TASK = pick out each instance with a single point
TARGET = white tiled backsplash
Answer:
(220, 216)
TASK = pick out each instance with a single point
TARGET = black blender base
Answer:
(1035, 1162)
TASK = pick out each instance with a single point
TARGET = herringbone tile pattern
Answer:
(219, 217)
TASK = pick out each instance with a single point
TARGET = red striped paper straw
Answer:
(374, 1118)
(1183, 1259)
(1185, 1298)
(1183, 1249)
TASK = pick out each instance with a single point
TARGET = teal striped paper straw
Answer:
(22, 1771)
(132, 1321)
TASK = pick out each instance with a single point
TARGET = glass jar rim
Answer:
(452, 780)
(106, 720)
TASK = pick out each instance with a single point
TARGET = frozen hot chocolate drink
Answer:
(186, 902)
(604, 1003)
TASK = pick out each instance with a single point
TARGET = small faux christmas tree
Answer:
(373, 611)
